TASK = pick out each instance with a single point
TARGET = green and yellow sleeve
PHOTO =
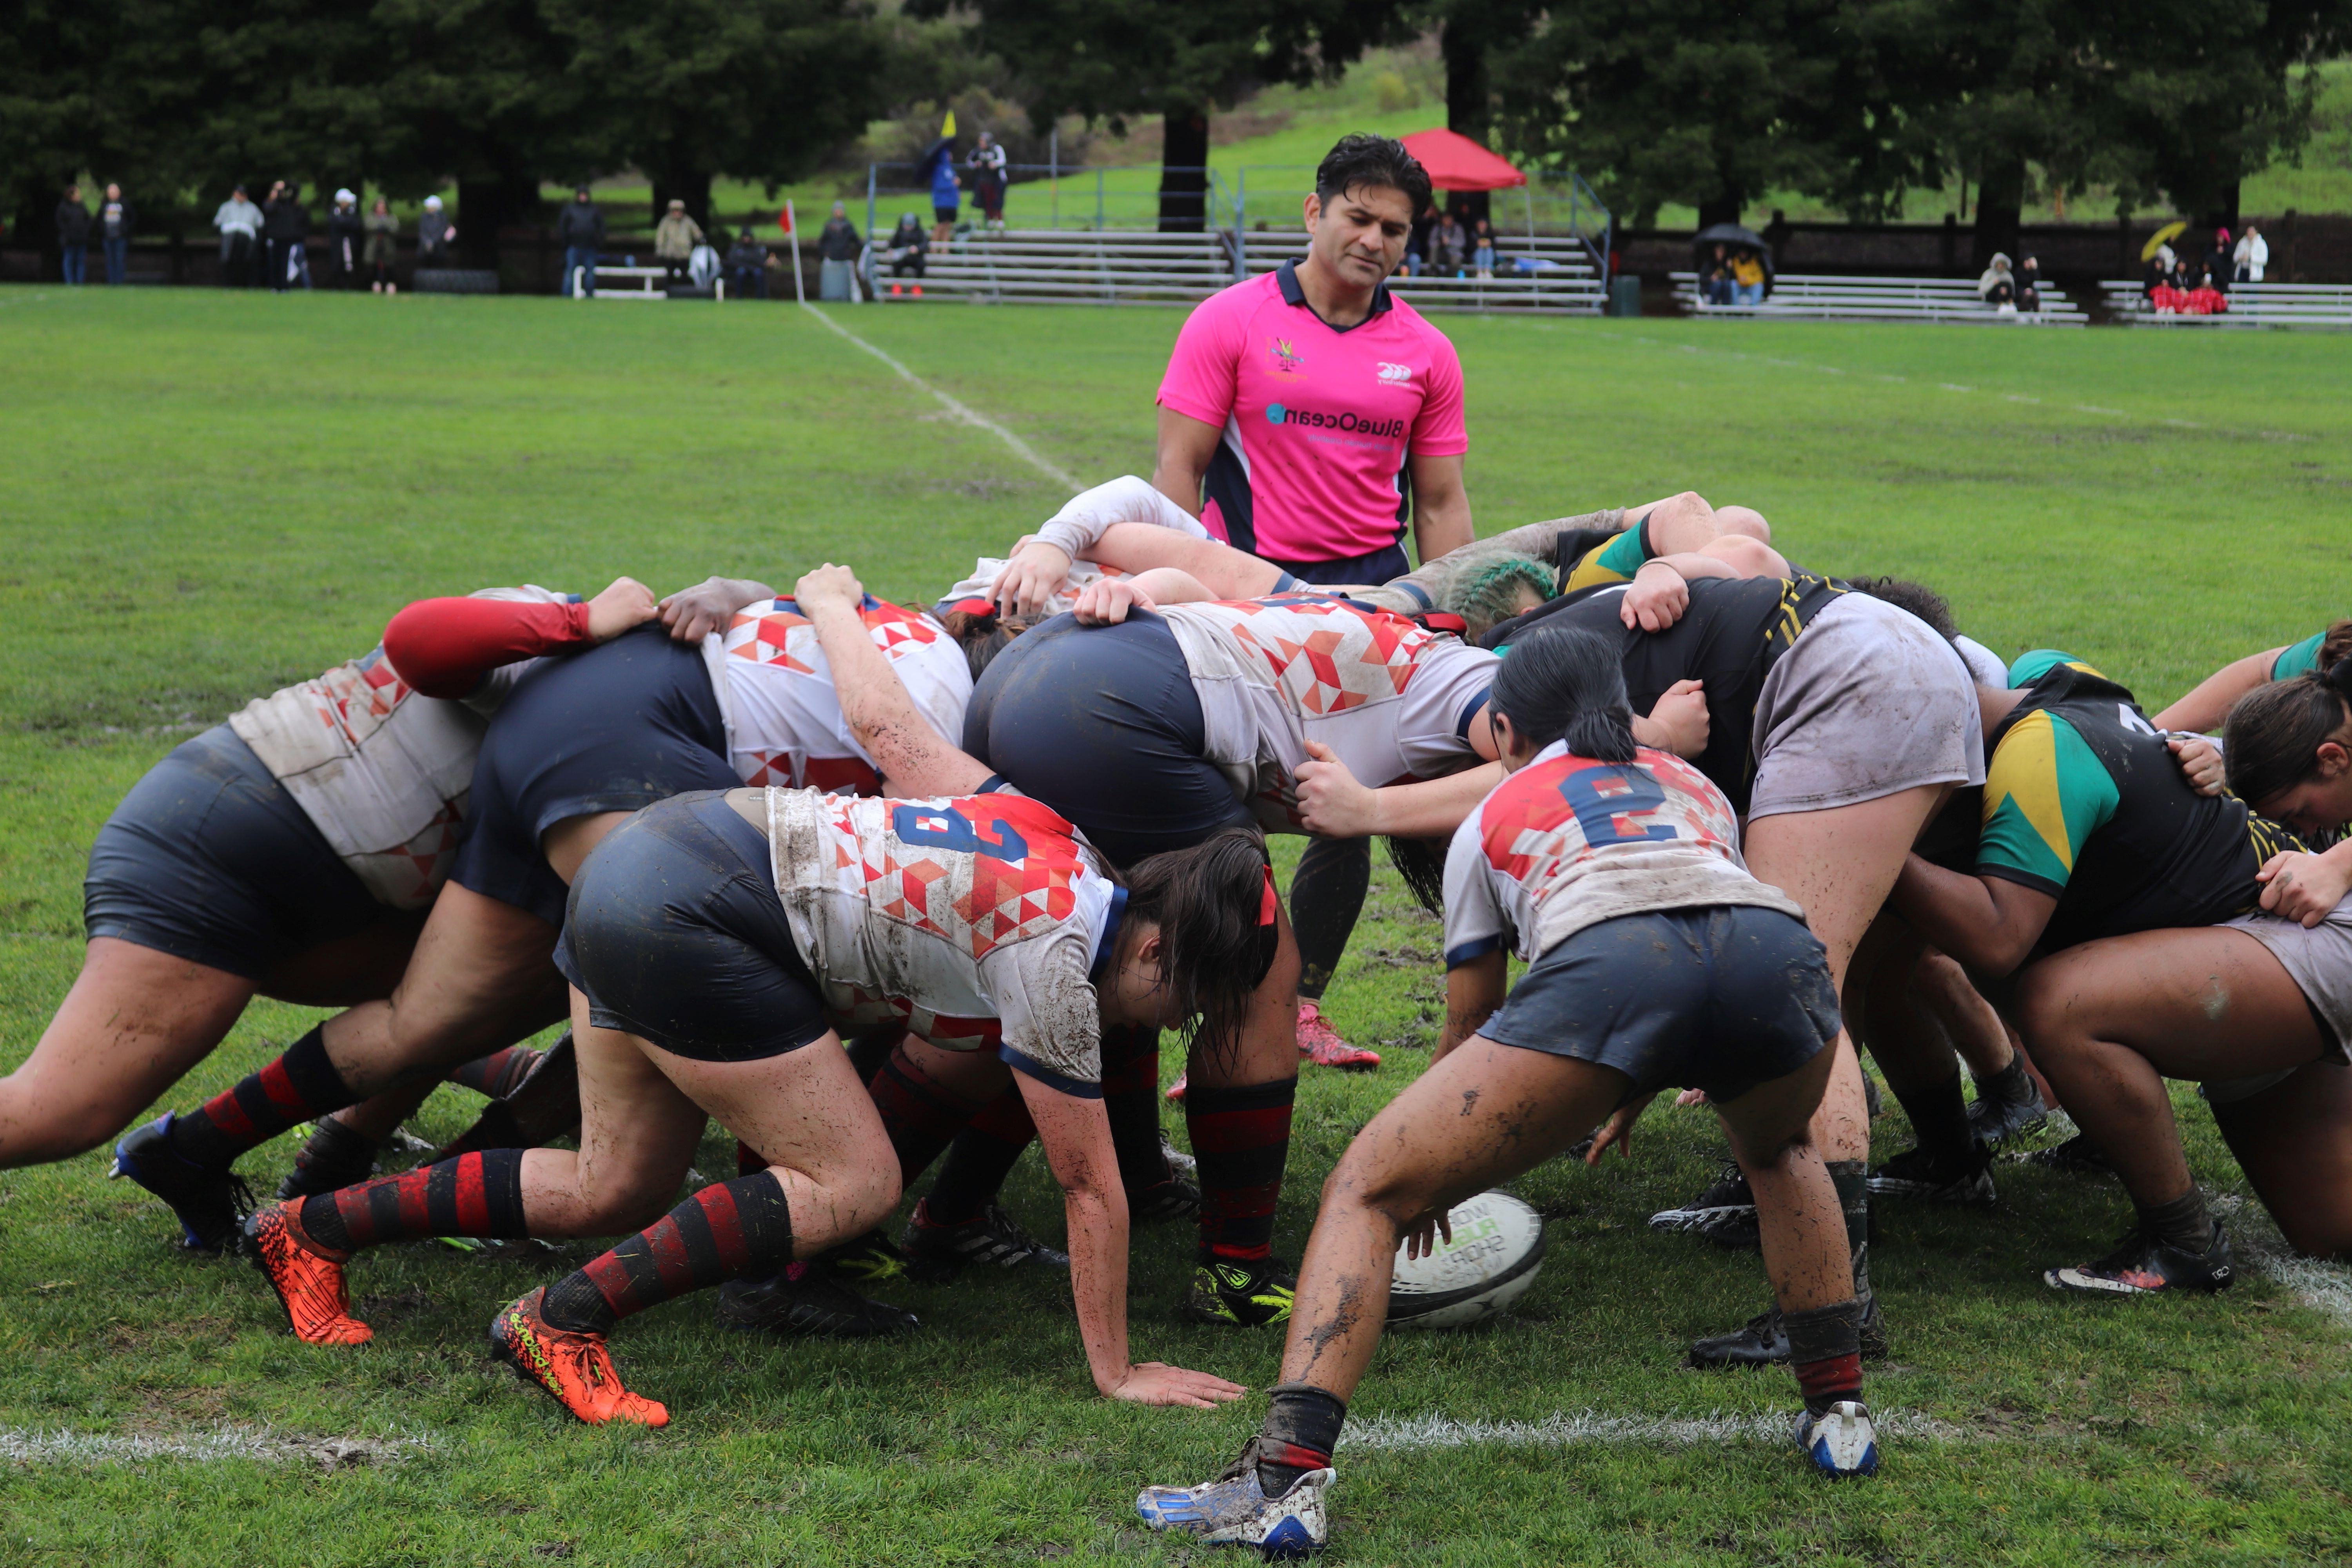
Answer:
(2032, 667)
(2045, 793)
(2300, 659)
(1615, 560)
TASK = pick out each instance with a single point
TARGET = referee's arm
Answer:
(1186, 445)
(1441, 507)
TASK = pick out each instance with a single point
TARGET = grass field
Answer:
(205, 496)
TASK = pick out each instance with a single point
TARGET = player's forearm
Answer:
(1097, 1216)
(1962, 915)
(881, 714)
(2209, 703)
(1474, 990)
(1433, 809)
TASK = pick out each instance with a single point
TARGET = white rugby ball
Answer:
(1496, 1250)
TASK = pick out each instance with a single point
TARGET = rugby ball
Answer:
(1497, 1249)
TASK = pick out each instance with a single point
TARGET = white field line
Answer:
(2325, 1286)
(1405, 1434)
(962, 413)
(39, 1445)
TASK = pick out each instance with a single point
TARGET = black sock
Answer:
(300, 1085)
(980, 1158)
(1327, 894)
(1851, 1180)
(1130, 1086)
(2182, 1223)
(1940, 1117)
(723, 1232)
(1302, 1428)
(2013, 1085)
(1825, 1352)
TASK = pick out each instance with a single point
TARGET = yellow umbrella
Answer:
(2161, 238)
(948, 130)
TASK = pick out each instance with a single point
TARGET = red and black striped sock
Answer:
(300, 1085)
(496, 1075)
(921, 1116)
(1242, 1137)
(1825, 1352)
(735, 1228)
(1130, 1086)
(473, 1194)
(980, 1158)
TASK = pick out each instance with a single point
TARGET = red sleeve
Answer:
(444, 647)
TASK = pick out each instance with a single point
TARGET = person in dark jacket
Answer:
(435, 235)
(747, 268)
(288, 227)
(838, 245)
(905, 251)
(346, 238)
(73, 235)
(580, 229)
(114, 225)
(2029, 285)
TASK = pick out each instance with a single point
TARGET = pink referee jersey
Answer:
(1319, 420)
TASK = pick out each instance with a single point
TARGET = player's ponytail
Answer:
(2271, 739)
(1214, 906)
(980, 631)
(1564, 684)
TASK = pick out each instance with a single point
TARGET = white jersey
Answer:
(783, 719)
(381, 770)
(985, 571)
(1392, 701)
(974, 921)
(1079, 526)
(1568, 842)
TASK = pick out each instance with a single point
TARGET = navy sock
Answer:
(1302, 1428)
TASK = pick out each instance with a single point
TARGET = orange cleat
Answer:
(1319, 1043)
(307, 1275)
(574, 1367)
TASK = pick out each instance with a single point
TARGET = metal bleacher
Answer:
(1810, 297)
(2308, 305)
(1539, 273)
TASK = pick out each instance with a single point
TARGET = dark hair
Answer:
(2271, 740)
(1214, 906)
(1358, 160)
(981, 634)
(2335, 646)
(1916, 597)
(1566, 684)
(1421, 862)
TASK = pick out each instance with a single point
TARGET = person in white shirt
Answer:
(239, 222)
(2253, 254)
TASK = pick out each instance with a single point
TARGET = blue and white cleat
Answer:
(1841, 1441)
(211, 1202)
(1234, 1510)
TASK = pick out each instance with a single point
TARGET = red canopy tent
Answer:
(1455, 163)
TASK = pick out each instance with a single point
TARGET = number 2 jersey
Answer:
(1567, 842)
(979, 922)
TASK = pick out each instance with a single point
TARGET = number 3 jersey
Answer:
(978, 922)
(1568, 842)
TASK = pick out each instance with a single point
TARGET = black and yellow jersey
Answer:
(1589, 562)
(2084, 801)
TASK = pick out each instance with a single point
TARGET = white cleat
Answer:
(1234, 1510)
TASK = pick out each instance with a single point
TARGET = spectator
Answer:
(944, 186)
(747, 266)
(837, 247)
(73, 235)
(382, 249)
(1482, 248)
(1418, 243)
(674, 239)
(114, 225)
(1747, 278)
(239, 222)
(580, 229)
(1447, 246)
(346, 236)
(2159, 272)
(435, 235)
(2029, 286)
(2219, 270)
(2251, 256)
(289, 229)
(905, 252)
(2209, 298)
(1715, 283)
(987, 166)
(1998, 286)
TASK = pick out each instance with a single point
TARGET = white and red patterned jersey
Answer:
(783, 720)
(1567, 842)
(382, 769)
(1394, 700)
(976, 922)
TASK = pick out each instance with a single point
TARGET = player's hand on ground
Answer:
(1030, 579)
(1107, 600)
(2303, 888)
(1334, 803)
(2201, 761)
(828, 587)
(627, 603)
(1157, 1383)
(693, 614)
(1421, 1236)
(1619, 1130)
(1655, 599)
(1679, 722)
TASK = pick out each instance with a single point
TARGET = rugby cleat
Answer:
(869, 1258)
(1234, 1510)
(1918, 1174)
(1763, 1341)
(333, 1157)
(1995, 1121)
(806, 1301)
(1174, 1198)
(211, 1201)
(1239, 1295)
(1841, 1441)
(1724, 1213)
(1176, 1089)
(936, 1252)
(2078, 1156)
(2143, 1265)
(573, 1368)
(306, 1276)
(1180, 1163)
(1319, 1043)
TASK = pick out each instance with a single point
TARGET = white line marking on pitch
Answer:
(962, 412)
(1405, 1434)
(37, 1445)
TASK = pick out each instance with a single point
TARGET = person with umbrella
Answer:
(938, 164)
(1750, 260)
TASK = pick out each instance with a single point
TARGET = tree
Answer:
(1471, 33)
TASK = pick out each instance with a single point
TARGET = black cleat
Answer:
(1762, 1342)
(1725, 1214)
(1174, 1198)
(1239, 1295)
(1918, 1174)
(212, 1201)
(1995, 1121)
(334, 1156)
(2078, 1156)
(869, 1258)
(2143, 1265)
(813, 1304)
(936, 1252)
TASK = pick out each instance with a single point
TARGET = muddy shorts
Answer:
(675, 934)
(209, 860)
(2319, 960)
(1869, 701)
(1720, 998)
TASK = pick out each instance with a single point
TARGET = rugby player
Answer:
(2208, 704)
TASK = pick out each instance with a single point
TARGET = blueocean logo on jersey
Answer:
(1351, 422)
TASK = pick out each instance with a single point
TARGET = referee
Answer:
(1309, 417)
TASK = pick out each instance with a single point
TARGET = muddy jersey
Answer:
(783, 720)
(1078, 527)
(382, 769)
(1392, 701)
(978, 922)
(1567, 842)
(985, 571)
